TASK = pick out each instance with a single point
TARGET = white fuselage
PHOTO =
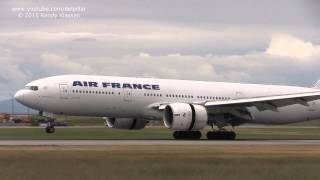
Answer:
(107, 96)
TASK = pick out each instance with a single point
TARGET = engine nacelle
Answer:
(183, 117)
(125, 123)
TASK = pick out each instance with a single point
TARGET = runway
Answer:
(151, 142)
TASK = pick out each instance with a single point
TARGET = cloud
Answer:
(10, 67)
(257, 67)
(265, 66)
(119, 36)
(144, 55)
(84, 39)
(254, 67)
(292, 47)
(57, 64)
(12, 72)
(222, 41)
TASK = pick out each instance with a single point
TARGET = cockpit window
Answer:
(33, 88)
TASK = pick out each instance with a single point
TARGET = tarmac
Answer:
(152, 142)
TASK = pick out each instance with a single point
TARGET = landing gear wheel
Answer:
(50, 130)
(50, 126)
(232, 135)
(221, 135)
(197, 135)
(187, 135)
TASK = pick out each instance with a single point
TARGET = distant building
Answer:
(4, 117)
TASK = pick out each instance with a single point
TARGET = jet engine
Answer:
(125, 123)
(185, 117)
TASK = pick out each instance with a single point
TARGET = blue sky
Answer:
(266, 41)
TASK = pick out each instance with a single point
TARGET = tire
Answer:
(231, 135)
(187, 135)
(197, 135)
(176, 135)
(50, 130)
(211, 135)
(221, 135)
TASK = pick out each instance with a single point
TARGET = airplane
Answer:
(186, 107)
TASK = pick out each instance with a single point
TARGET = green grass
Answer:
(75, 120)
(84, 133)
(278, 133)
(160, 162)
(144, 162)
(152, 133)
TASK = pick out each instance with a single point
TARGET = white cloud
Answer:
(10, 67)
(144, 55)
(57, 64)
(160, 50)
(144, 35)
(292, 47)
(206, 70)
(130, 39)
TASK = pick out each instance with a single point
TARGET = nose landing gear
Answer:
(50, 126)
(50, 122)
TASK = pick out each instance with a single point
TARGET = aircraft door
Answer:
(239, 95)
(64, 91)
(127, 95)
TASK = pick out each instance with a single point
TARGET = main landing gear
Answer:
(211, 135)
(187, 135)
(221, 135)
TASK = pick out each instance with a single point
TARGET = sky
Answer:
(265, 41)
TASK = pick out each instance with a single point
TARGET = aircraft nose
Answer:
(19, 96)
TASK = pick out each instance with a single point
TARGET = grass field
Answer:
(227, 162)
(144, 162)
(152, 133)
(98, 121)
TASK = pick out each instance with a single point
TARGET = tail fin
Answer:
(316, 85)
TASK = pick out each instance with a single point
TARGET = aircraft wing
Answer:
(261, 103)
(266, 102)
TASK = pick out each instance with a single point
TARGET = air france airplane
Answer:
(184, 106)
